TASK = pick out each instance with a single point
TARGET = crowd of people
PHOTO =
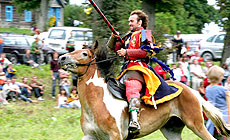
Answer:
(33, 91)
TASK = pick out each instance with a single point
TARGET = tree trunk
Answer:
(149, 8)
(226, 50)
(43, 14)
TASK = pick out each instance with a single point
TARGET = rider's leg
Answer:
(133, 88)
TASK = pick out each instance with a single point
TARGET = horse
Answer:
(104, 117)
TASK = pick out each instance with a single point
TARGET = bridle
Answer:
(91, 62)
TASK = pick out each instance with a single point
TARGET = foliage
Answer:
(52, 21)
(169, 21)
(223, 18)
(41, 121)
(200, 12)
(26, 4)
(16, 30)
(73, 12)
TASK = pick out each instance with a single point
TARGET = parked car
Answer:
(15, 47)
(58, 36)
(212, 47)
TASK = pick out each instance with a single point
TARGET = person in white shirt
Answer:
(11, 89)
(4, 62)
(197, 74)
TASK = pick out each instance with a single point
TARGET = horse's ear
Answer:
(95, 45)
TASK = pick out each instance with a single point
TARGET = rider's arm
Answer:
(139, 53)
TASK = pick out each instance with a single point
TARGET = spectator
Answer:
(54, 70)
(25, 90)
(182, 74)
(4, 62)
(227, 84)
(28, 60)
(196, 56)
(38, 34)
(73, 100)
(62, 99)
(160, 71)
(197, 74)
(177, 44)
(3, 98)
(37, 88)
(64, 80)
(216, 94)
(12, 89)
(1, 45)
(2, 77)
(70, 43)
(207, 65)
(10, 72)
(35, 50)
(184, 62)
(226, 73)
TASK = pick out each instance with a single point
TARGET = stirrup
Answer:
(134, 127)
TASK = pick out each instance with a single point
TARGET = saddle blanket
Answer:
(156, 87)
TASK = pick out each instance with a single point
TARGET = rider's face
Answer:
(133, 23)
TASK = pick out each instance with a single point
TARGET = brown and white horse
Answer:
(103, 117)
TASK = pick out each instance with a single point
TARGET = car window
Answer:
(220, 39)
(9, 41)
(21, 41)
(78, 35)
(210, 39)
(88, 36)
(57, 34)
(82, 35)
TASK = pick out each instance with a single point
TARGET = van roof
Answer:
(72, 28)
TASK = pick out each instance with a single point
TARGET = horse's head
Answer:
(78, 61)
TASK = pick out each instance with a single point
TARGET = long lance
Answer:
(105, 19)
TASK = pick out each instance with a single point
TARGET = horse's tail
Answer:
(215, 115)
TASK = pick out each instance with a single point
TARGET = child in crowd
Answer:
(216, 94)
(62, 99)
(10, 72)
(73, 100)
(64, 80)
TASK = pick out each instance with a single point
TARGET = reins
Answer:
(90, 62)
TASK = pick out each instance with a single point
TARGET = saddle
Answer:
(118, 90)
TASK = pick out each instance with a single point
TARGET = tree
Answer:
(224, 20)
(200, 12)
(73, 12)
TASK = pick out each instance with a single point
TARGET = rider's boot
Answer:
(134, 109)
(133, 88)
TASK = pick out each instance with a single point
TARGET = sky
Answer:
(209, 28)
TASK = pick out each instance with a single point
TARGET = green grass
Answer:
(16, 30)
(41, 121)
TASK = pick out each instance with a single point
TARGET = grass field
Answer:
(41, 121)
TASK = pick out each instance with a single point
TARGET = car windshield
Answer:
(82, 35)
(57, 34)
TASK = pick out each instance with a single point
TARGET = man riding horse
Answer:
(135, 72)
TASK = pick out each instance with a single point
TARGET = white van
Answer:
(58, 37)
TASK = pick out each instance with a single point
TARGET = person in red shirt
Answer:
(160, 71)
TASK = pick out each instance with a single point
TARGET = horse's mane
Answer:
(104, 62)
